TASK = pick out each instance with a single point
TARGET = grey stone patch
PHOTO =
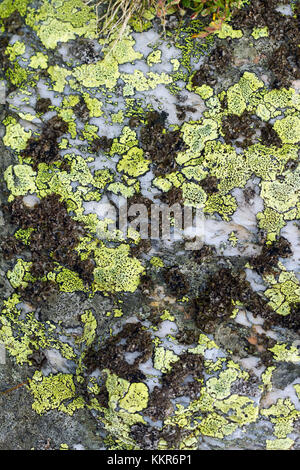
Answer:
(285, 374)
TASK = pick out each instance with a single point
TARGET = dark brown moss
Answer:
(38, 292)
(284, 60)
(261, 348)
(146, 283)
(210, 184)
(81, 110)
(216, 303)
(132, 338)
(139, 199)
(101, 144)
(205, 253)
(285, 64)
(42, 105)
(10, 247)
(182, 110)
(38, 359)
(53, 240)
(188, 336)
(260, 13)
(270, 255)
(204, 76)
(176, 281)
(148, 437)
(219, 59)
(249, 194)
(290, 321)
(44, 149)
(244, 130)
(160, 146)
(174, 196)
(145, 436)
(144, 246)
(13, 24)
(5, 63)
(134, 122)
(189, 366)
(180, 381)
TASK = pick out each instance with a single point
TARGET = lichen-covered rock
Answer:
(179, 339)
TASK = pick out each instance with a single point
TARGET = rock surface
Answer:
(124, 337)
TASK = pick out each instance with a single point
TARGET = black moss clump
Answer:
(206, 253)
(285, 64)
(101, 144)
(53, 240)
(210, 184)
(174, 385)
(132, 338)
(290, 321)
(42, 105)
(160, 146)
(284, 60)
(181, 111)
(216, 303)
(244, 131)
(81, 110)
(173, 196)
(44, 149)
(270, 254)
(219, 59)
(176, 281)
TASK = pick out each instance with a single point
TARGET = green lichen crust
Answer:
(173, 383)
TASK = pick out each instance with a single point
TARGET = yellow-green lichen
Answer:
(7, 7)
(195, 135)
(15, 50)
(283, 353)
(284, 292)
(136, 398)
(137, 81)
(204, 343)
(193, 195)
(154, 58)
(227, 31)
(282, 414)
(104, 72)
(115, 270)
(133, 163)
(54, 392)
(279, 444)
(20, 180)
(15, 136)
(22, 337)
(89, 331)
(58, 77)
(60, 21)
(258, 33)
(288, 129)
(39, 61)
(17, 276)
(157, 262)
(24, 235)
(163, 359)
